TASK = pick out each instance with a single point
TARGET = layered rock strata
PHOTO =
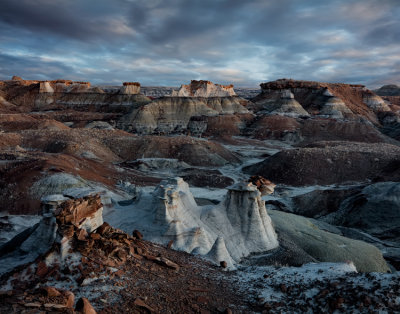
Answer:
(130, 88)
(204, 89)
(172, 114)
(333, 100)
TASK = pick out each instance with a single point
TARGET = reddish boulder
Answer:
(51, 292)
(83, 305)
(137, 234)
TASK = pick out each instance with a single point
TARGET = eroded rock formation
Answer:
(204, 89)
(263, 185)
(83, 214)
(338, 101)
(331, 162)
(172, 114)
(240, 225)
(130, 88)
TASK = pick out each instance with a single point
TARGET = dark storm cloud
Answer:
(81, 20)
(31, 67)
(170, 42)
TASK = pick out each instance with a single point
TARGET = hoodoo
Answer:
(130, 88)
(235, 228)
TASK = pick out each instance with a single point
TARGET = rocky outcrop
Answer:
(67, 95)
(335, 101)
(91, 100)
(99, 265)
(130, 88)
(193, 151)
(172, 114)
(63, 86)
(161, 91)
(204, 89)
(34, 242)
(228, 232)
(45, 87)
(221, 125)
(263, 185)
(85, 213)
(330, 163)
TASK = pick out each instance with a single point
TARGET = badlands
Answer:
(199, 199)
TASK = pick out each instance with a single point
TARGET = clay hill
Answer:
(199, 199)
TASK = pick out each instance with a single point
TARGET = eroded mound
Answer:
(330, 163)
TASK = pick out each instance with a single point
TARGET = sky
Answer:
(170, 42)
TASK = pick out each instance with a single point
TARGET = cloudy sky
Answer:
(170, 42)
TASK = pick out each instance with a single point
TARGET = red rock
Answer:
(263, 185)
(137, 234)
(137, 256)
(103, 228)
(70, 299)
(42, 269)
(68, 231)
(82, 234)
(83, 305)
(223, 264)
(166, 262)
(170, 243)
(95, 236)
(52, 292)
(228, 311)
(76, 211)
(152, 258)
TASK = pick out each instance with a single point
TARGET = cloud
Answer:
(170, 42)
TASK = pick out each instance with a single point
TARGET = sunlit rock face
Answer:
(130, 88)
(204, 89)
(327, 100)
(172, 114)
(63, 86)
(45, 87)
